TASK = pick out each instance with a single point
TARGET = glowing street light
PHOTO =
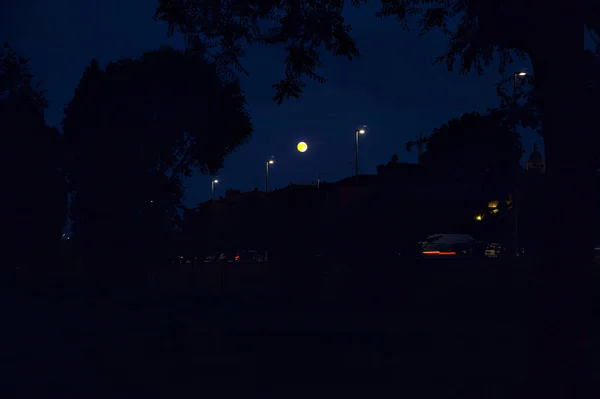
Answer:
(479, 218)
(212, 188)
(302, 146)
(357, 134)
(267, 163)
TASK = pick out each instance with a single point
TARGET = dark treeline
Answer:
(370, 217)
(545, 34)
(136, 127)
(34, 206)
(133, 130)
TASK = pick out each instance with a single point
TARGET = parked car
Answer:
(217, 257)
(246, 256)
(450, 246)
(183, 259)
(496, 250)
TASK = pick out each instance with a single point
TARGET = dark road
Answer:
(38, 360)
(445, 333)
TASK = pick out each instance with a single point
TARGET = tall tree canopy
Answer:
(17, 79)
(549, 32)
(485, 29)
(476, 145)
(35, 195)
(134, 129)
(307, 28)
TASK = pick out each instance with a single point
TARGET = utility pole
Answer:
(516, 76)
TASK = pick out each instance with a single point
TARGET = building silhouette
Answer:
(359, 213)
(536, 163)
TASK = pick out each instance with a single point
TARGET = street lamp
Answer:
(267, 163)
(212, 188)
(516, 76)
(357, 134)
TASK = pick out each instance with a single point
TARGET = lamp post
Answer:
(212, 188)
(267, 221)
(516, 76)
(357, 134)
(267, 163)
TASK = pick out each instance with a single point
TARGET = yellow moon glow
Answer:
(302, 147)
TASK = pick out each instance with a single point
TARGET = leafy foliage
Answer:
(304, 27)
(485, 30)
(591, 75)
(17, 80)
(308, 27)
(135, 129)
(519, 101)
(35, 199)
(475, 145)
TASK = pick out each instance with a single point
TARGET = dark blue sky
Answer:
(393, 88)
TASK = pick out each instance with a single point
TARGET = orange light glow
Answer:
(438, 253)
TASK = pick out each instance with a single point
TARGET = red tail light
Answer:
(237, 257)
(439, 253)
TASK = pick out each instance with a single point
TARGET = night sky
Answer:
(393, 88)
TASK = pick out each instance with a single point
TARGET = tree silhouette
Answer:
(591, 75)
(35, 196)
(519, 102)
(476, 146)
(547, 32)
(309, 28)
(133, 131)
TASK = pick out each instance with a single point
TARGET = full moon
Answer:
(302, 147)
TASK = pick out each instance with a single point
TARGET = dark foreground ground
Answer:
(451, 330)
